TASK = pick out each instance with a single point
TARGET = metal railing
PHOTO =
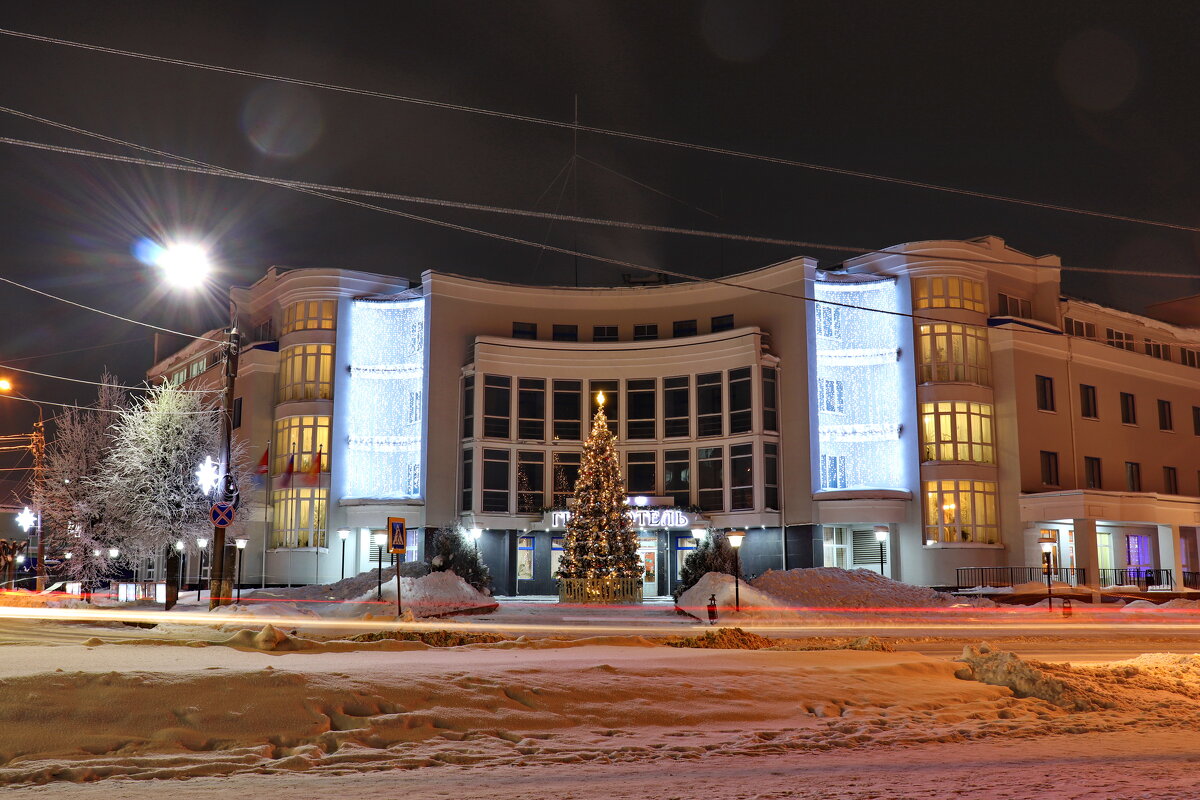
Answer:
(996, 577)
(1145, 578)
(1191, 580)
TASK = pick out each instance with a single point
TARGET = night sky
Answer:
(1088, 104)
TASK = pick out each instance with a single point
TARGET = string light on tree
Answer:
(208, 475)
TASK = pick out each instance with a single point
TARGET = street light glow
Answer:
(26, 519)
(183, 264)
(5, 385)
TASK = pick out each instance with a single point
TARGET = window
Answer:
(468, 425)
(1119, 339)
(299, 519)
(524, 558)
(1137, 550)
(722, 323)
(709, 416)
(640, 409)
(1091, 473)
(677, 476)
(770, 399)
(497, 406)
(305, 373)
(948, 292)
(531, 408)
(642, 333)
(1189, 358)
(1170, 480)
(566, 472)
(957, 431)
(1073, 327)
(1045, 393)
(567, 410)
(263, 331)
(1196, 420)
(1087, 402)
(1157, 349)
(835, 551)
(197, 368)
(612, 402)
(1009, 306)
(831, 396)
(677, 408)
(524, 330)
(531, 481)
(301, 438)
(684, 547)
(1128, 409)
(309, 315)
(770, 476)
(604, 333)
(495, 480)
(556, 551)
(1133, 476)
(468, 480)
(960, 511)
(828, 320)
(711, 478)
(178, 377)
(1049, 468)
(641, 473)
(565, 333)
(1165, 423)
(740, 420)
(741, 477)
(833, 472)
(684, 327)
(236, 417)
(953, 354)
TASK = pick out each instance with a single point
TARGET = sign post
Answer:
(397, 543)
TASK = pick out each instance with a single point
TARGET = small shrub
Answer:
(448, 549)
(713, 553)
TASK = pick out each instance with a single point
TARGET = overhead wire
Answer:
(577, 128)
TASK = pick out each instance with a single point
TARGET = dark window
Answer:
(1133, 476)
(531, 408)
(1049, 468)
(640, 409)
(739, 400)
(741, 477)
(684, 327)
(1165, 423)
(1091, 473)
(612, 402)
(710, 474)
(771, 476)
(531, 481)
(468, 428)
(565, 333)
(468, 479)
(708, 405)
(1170, 480)
(524, 330)
(566, 472)
(1196, 420)
(604, 333)
(641, 473)
(677, 476)
(677, 408)
(236, 421)
(567, 409)
(643, 333)
(1087, 401)
(1128, 409)
(770, 399)
(1045, 393)
(495, 480)
(497, 406)
(722, 323)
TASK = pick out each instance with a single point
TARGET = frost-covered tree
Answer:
(76, 515)
(449, 550)
(712, 554)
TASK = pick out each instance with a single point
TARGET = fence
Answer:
(600, 590)
(1146, 579)
(969, 577)
(1191, 580)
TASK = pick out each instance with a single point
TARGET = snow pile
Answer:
(424, 594)
(436, 594)
(754, 604)
(833, 587)
(351, 588)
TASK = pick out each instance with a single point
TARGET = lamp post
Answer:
(1047, 541)
(343, 534)
(475, 534)
(735, 540)
(241, 542)
(881, 535)
(379, 539)
(37, 446)
(179, 548)
(201, 545)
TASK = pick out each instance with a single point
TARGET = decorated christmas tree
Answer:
(600, 546)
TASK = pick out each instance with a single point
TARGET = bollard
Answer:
(1066, 607)
(712, 610)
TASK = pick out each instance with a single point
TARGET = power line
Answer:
(109, 410)
(10, 361)
(576, 127)
(217, 171)
(101, 383)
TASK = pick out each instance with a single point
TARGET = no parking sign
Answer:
(221, 514)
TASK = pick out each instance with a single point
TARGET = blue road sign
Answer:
(221, 514)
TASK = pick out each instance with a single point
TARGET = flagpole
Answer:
(270, 521)
(316, 517)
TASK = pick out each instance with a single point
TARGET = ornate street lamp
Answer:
(735, 541)
(1047, 541)
(881, 535)
(201, 545)
(241, 542)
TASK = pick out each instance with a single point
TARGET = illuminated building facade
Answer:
(903, 393)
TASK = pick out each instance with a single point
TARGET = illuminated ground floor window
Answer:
(961, 511)
(299, 517)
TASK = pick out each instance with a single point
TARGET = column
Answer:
(1170, 552)
(1087, 555)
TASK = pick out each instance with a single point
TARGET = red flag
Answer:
(285, 477)
(313, 476)
(263, 466)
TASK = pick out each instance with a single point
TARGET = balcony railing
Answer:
(1146, 579)
(1191, 580)
(996, 577)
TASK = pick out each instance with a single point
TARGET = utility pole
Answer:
(37, 444)
(220, 587)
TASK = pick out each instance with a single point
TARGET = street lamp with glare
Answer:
(343, 534)
(202, 546)
(241, 542)
(881, 535)
(1046, 542)
(735, 541)
(184, 264)
(379, 539)
(475, 534)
